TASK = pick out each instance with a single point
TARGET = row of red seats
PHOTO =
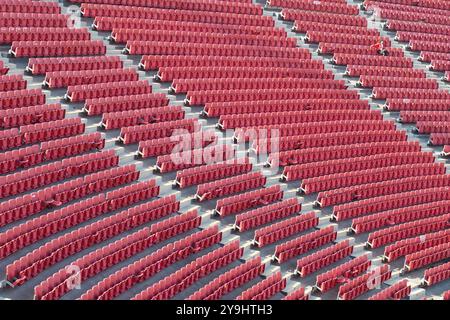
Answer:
(96, 10)
(135, 134)
(191, 273)
(230, 280)
(164, 146)
(348, 270)
(296, 129)
(97, 106)
(362, 70)
(203, 97)
(303, 244)
(248, 200)
(228, 186)
(397, 82)
(407, 246)
(12, 82)
(125, 35)
(322, 168)
(384, 203)
(328, 6)
(427, 256)
(103, 23)
(404, 7)
(254, 218)
(347, 179)
(417, 104)
(396, 291)
(104, 258)
(432, 127)
(364, 283)
(376, 60)
(32, 178)
(399, 215)
(428, 56)
(154, 62)
(309, 155)
(406, 93)
(327, 17)
(437, 274)
(60, 79)
(126, 278)
(45, 131)
(407, 116)
(339, 49)
(407, 36)
(199, 49)
(117, 120)
(409, 229)
(27, 157)
(327, 139)
(181, 160)
(416, 26)
(180, 73)
(42, 227)
(40, 66)
(78, 93)
(437, 139)
(210, 172)
(264, 289)
(377, 189)
(29, 6)
(29, 49)
(241, 7)
(417, 45)
(278, 82)
(414, 16)
(17, 117)
(68, 244)
(440, 65)
(273, 118)
(14, 34)
(285, 228)
(354, 39)
(305, 26)
(21, 98)
(244, 107)
(23, 19)
(323, 258)
(297, 294)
